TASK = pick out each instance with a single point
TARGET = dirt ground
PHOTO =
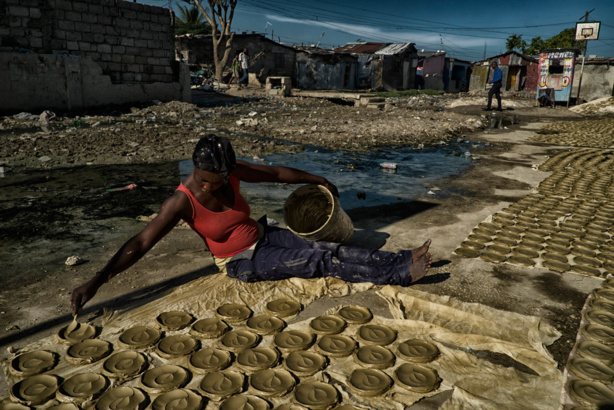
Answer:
(34, 297)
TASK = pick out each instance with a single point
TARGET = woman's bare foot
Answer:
(419, 268)
(419, 252)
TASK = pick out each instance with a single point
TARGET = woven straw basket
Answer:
(314, 214)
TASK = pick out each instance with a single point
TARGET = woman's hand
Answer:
(81, 295)
(331, 187)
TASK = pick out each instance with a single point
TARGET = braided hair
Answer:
(215, 154)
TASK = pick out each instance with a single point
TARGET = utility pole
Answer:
(585, 17)
(317, 45)
(484, 58)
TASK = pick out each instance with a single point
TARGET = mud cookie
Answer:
(272, 382)
(257, 358)
(490, 256)
(417, 378)
(316, 395)
(222, 384)
(283, 307)
(183, 399)
(174, 320)
(303, 363)
(291, 340)
(139, 337)
(607, 294)
(521, 260)
(557, 266)
(355, 314)
(123, 365)
(209, 359)
(418, 351)
(234, 312)
(596, 351)
(176, 346)
(88, 351)
(467, 253)
(238, 340)
(122, 398)
(555, 257)
(209, 328)
(374, 357)
(479, 238)
(18, 406)
(590, 392)
(35, 390)
(76, 332)
(369, 382)
(31, 363)
(376, 334)
(245, 402)
(591, 370)
(476, 246)
(599, 333)
(587, 261)
(525, 251)
(165, 378)
(601, 317)
(82, 387)
(586, 270)
(336, 345)
(327, 325)
(265, 324)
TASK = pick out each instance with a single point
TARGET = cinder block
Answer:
(66, 25)
(36, 42)
(19, 11)
(125, 41)
(84, 46)
(73, 16)
(35, 13)
(72, 46)
(119, 49)
(104, 48)
(73, 36)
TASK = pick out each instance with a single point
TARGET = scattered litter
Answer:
(253, 114)
(271, 222)
(26, 116)
(74, 260)
(126, 188)
(44, 158)
(430, 193)
(389, 165)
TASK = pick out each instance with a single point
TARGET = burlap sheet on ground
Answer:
(490, 359)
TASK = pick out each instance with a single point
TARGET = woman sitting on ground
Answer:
(210, 202)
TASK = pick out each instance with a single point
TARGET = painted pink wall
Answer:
(434, 65)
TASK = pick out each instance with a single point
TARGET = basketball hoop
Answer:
(587, 31)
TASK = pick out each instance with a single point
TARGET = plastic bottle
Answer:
(389, 165)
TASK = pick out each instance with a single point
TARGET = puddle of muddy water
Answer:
(52, 214)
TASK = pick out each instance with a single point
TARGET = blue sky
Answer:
(464, 29)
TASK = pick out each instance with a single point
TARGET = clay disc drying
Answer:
(336, 345)
(303, 363)
(180, 399)
(283, 307)
(601, 317)
(327, 325)
(589, 392)
(174, 320)
(139, 337)
(292, 340)
(126, 364)
(209, 359)
(376, 334)
(176, 346)
(234, 312)
(272, 382)
(238, 340)
(165, 378)
(591, 370)
(31, 363)
(257, 358)
(376, 357)
(369, 382)
(35, 390)
(82, 387)
(316, 395)
(88, 351)
(209, 328)
(265, 324)
(18, 406)
(417, 378)
(418, 351)
(245, 402)
(355, 314)
(76, 332)
(219, 385)
(122, 398)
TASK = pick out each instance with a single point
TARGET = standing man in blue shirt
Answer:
(495, 90)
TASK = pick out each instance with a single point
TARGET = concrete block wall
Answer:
(132, 43)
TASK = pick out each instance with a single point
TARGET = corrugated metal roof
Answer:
(394, 48)
(362, 48)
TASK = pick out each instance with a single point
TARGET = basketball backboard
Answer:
(587, 31)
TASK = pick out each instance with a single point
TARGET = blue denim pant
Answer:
(280, 254)
(245, 77)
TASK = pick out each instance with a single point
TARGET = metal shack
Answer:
(556, 68)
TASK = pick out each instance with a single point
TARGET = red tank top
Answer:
(225, 233)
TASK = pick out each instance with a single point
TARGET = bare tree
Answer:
(219, 16)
